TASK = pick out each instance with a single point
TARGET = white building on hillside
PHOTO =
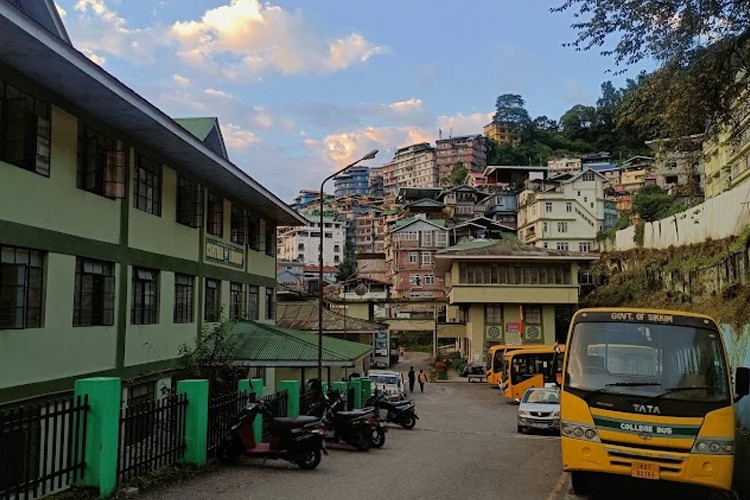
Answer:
(300, 244)
(565, 213)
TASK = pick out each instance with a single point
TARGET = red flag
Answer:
(520, 319)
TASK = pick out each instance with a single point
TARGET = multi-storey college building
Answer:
(121, 232)
(412, 166)
(300, 244)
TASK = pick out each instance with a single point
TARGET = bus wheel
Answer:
(581, 482)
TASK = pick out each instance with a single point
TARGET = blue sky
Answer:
(301, 88)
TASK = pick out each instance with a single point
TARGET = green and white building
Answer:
(122, 231)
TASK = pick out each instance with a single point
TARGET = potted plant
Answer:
(441, 368)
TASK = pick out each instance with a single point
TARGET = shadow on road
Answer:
(628, 489)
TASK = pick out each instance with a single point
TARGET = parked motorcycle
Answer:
(359, 428)
(298, 440)
(399, 412)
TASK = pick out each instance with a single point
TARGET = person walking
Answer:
(411, 376)
(422, 379)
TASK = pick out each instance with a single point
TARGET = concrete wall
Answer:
(720, 217)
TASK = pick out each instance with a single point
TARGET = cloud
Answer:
(237, 138)
(217, 93)
(245, 39)
(99, 29)
(461, 124)
(63, 13)
(94, 57)
(180, 80)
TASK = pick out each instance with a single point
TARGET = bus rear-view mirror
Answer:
(741, 382)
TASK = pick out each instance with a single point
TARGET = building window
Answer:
(584, 246)
(427, 238)
(562, 245)
(271, 239)
(141, 393)
(336, 248)
(238, 229)
(562, 227)
(429, 279)
(415, 279)
(213, 299)
(548, 206)
(270, 303)
(253, 232)
(25, 130)
(493, 314)
(145, 296)
(441, 239)
(147, 192)
(413, 257)
(236, 301)
(569, 207)
(544, 227)
(426, 258)
(183, 298)
(253, 300)
(215, 222)
(189, 203)
(94, 298)
(21, 287)
(102, 163)
(588, 176)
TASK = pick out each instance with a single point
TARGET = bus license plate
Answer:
(645, 470)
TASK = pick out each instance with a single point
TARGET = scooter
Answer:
(398, 412)
(358, 428)
(298, 440)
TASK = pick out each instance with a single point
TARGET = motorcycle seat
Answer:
(286, 423)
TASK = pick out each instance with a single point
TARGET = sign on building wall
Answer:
(380, 345)
(224, 253)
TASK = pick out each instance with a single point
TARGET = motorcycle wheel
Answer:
(363, 441)
(308, 460)
(408, 422)
(378, 437)
(229, 451)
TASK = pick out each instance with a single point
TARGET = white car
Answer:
(390, 382)
(539, 409)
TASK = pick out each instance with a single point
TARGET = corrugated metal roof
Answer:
(258, 342)
(508, 246)
(304, 316)
(199, 126)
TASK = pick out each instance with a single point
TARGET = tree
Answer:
(213, 357)
(348, 266)
(458, 174)
(702, 46)
(577, 123)
(510, 109)
(652, 203)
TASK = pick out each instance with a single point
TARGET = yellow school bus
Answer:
(647, 393)
(530, 367)
(495, 361)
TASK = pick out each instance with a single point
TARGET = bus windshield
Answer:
(643, 359)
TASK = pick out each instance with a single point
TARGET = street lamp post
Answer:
(368, 156)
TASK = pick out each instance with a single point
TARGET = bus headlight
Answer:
(579, 431)
(715, 446)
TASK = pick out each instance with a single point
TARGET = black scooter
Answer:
(295, 439)
(358, 428)
(398, 412)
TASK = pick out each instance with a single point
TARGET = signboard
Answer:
(224, 253)
(511, 327)
(380, 344)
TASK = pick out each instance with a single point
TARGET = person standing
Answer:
(412, 376)
(422, 379)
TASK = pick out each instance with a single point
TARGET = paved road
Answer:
(465, 446)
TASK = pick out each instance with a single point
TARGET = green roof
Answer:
(408, 220)
(259, 344)
(200, 127)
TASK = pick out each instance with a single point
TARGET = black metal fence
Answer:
(152, 435)
(279, 406)
(42, 447)
(222, 412)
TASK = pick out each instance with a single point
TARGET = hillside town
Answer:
(563, 304)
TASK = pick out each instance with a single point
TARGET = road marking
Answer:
(558, 486)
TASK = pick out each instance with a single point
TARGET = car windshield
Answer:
(541, 396)
(676, 362)
(384, 379)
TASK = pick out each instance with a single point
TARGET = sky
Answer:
(302, 88)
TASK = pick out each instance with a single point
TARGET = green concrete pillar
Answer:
(366, 389)
(341, 387)
(196, 420)
(102, 431)
(356, 384)
(243, 385)
(325, 387)
(293, 390)
(256, 385)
